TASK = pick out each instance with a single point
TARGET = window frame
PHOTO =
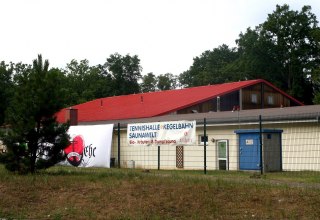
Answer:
(226, 159)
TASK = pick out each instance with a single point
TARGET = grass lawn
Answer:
(75, 193)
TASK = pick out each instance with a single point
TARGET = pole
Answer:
(118, 145)
(260, 137)
(158, 157)
(205, 144)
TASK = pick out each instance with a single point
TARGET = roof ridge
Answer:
(161, 91)
(155, 103)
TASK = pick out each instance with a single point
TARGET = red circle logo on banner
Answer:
(75, 151)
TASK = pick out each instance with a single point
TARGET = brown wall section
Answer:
(247, 94)
(227, 103)
(202, 107)
(265, 97)
(270, 97)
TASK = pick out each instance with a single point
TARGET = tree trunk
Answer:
(33, 159)
(34, 149)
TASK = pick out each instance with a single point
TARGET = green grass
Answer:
(97, 193)
(297, 176)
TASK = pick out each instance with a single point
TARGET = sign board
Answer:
(249, 141)
(90, 145)
(162, 133)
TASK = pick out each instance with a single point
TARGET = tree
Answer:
(85, 82)
(35, 140)
(316, 72)
(316, 85)
(211, 67)
(149, 83)
(284, 50)
(166, 81)
(6, 88)
(125, 71)
(9, 75)
(254, 61)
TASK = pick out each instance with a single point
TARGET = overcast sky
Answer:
(165, 34)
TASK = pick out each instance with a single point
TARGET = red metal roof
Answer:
(152, 104)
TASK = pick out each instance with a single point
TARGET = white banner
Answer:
(162, 133)
(90, 145)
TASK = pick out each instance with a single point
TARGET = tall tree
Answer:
(315, 75)
(166, 81)
(316, 85)
(254, 61)
(85, 82)
(284, 50)
(9, 77)
(211, 67)
(126, 71)
(149, 83)
(35, 139)
(6, 88)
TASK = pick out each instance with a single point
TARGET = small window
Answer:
(254, 98)
(270, 100)
(202, 139)
(222, 153)
(222, 150)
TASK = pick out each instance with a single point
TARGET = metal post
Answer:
(158, 157)
(118, 145)
(280, 137)
(260, 137)
(205, 144)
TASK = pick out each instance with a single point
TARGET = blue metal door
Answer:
(249, 152)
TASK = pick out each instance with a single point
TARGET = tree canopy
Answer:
(125, 72)
(84, 82)
(283, 50)
(6, 87)
(212, 67)
(166, 81)
(149, 83)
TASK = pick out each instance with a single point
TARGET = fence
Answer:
(263, 144)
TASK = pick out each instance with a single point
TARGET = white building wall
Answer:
(300, 145)
(300, 148)
(147, 157)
